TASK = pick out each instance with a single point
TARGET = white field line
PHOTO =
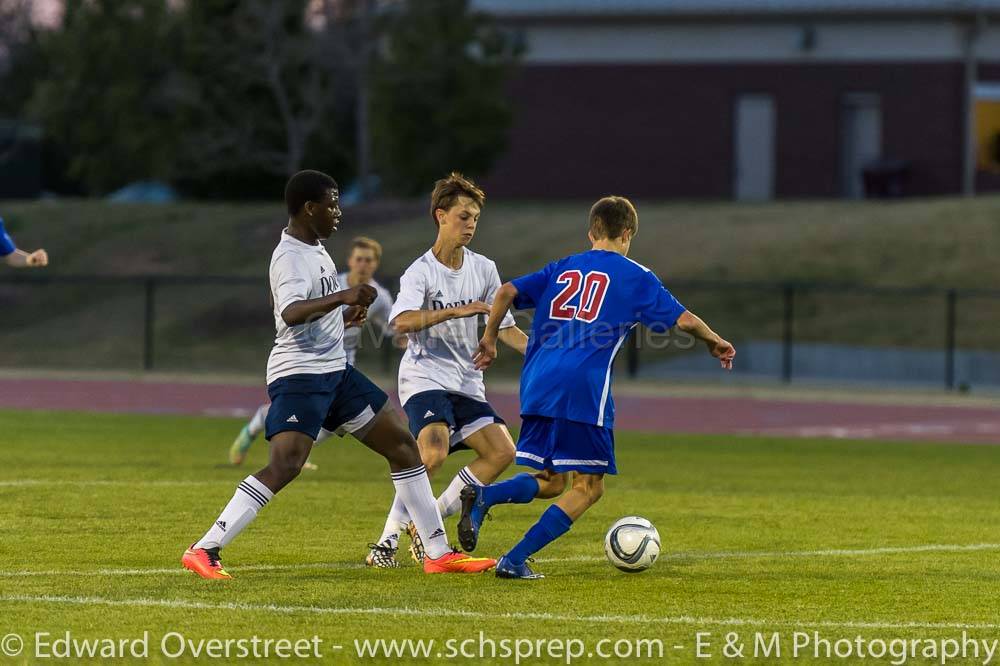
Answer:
(446, 612)
(178, 570)
(19, 483)
(829, 552)
(930, 548)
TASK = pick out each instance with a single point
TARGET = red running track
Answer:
(720, 415)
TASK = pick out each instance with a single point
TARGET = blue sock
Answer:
(519, 490)
(552, 525)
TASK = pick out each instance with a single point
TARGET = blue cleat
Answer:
(473, 512)
(505, 569)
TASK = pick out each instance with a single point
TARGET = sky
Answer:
(47, 12)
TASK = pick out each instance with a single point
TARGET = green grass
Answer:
(85, 493)
(952, 242)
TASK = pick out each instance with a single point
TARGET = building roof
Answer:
(529, 8)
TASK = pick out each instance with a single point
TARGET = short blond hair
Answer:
(366, 243)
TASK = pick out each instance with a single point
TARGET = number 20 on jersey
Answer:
(591, 288)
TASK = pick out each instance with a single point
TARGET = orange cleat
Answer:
(456, 562)
(204, 562)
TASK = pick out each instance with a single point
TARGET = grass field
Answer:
(872, 539)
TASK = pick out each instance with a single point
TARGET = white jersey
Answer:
(378, 316)
(300, 272)
(439, 358)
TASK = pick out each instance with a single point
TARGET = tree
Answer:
(260, 90)
(103, 98)
(438, 93)
(20, 63)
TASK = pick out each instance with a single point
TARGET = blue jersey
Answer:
(6, 242)
(585, 306)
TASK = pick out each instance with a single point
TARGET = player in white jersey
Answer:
(443, 296)
(312, 387)
(362, 263)
(366, 254)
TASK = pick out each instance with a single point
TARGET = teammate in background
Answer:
(585, 307)
(16, 258)
(362, 263)
(311, 386)
(364, 260)
(442, 296)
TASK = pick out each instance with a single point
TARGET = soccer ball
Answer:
(632, 544)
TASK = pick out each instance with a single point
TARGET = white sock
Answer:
(256, 425)
(396, 522)
(450, 501)
(251, 496)
(414, 489)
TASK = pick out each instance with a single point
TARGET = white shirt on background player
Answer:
(378, 315)
(299, 272)
(439, 358)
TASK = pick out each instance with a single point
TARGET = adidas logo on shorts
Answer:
(292, 419)
(429, 413)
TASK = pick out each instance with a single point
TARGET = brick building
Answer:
(750, 99)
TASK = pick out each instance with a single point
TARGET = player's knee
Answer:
(285, 468)
(433, 449)
(405, 455)
(433, 458)
(595, 491)
(592, 487)
(550, 484)
(501, 455)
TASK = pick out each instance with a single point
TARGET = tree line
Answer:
(224, 98)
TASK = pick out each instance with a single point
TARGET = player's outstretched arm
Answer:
(412, 321)
(717, 347)
(304, 311)
(22, 259)
(487, 352)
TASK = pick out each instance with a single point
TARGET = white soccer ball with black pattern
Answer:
(632, 544)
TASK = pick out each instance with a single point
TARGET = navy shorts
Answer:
(562, 445)
(463, 415)
(345, 400)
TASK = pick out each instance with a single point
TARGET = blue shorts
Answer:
(345, 400)
(562, 445)
(463, 415)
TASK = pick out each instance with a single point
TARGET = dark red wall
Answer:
(666, 130)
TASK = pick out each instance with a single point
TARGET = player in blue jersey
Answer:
(16, 258)
(585, 306)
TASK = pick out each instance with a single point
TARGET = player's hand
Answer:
(486, 354)
(363, 295)
(472, 309)
(355, 316)
(37, 259)
(724, 351)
